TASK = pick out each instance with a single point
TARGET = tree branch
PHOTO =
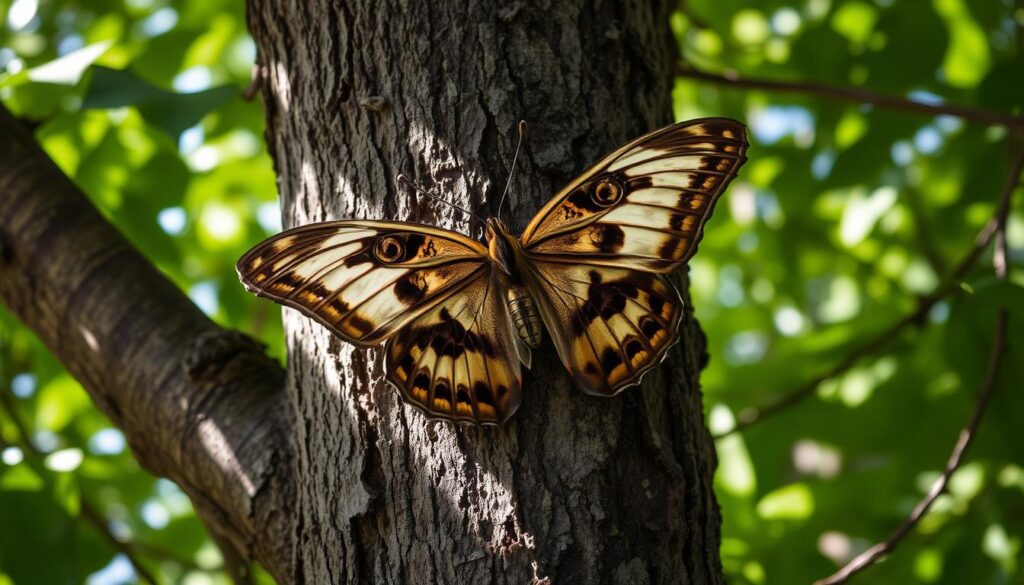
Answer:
(198, 404)
(853, 95)
(995, 228)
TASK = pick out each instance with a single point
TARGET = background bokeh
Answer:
(843, 218)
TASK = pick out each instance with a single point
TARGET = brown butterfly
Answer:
(459, 315)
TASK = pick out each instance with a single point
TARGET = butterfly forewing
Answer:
(362, 280)
(645, 205)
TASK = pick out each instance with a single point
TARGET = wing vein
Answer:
(579, 320)
(607, 325)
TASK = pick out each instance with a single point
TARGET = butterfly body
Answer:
(525, 318)
(459, 316)
(506, 253)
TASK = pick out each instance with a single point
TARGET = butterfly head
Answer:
(495, 227)
(501, 245)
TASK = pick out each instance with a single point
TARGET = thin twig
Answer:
(88, 511)
(995, 359)
(93, 516)
(751, 416)
(256, 81)
(873, 554)
(854, 95)
(995, 228)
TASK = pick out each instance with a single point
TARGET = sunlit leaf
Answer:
(967, 59)
(20, 478)
(68, 70)
(792, 502)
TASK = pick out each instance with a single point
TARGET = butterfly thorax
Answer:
(503, 248)
(505, 253)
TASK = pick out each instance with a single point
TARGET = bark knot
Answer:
(214, 351)
(374, 103)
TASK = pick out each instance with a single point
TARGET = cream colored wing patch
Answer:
(459, 359)
(609, 325)
(645, 205)
(362, 280)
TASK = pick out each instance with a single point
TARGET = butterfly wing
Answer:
(459, 360)
(598, 253)
(643, 206)
(363, 280)
(429, 292)
(609, 325)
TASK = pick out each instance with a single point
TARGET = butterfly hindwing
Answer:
(362, 280)
(459, 359)
(609, 325)
(643, 206)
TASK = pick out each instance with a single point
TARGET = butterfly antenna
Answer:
(404, 179)
(522, 133)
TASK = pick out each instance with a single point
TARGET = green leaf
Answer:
(171, 112)
(792, 502)
(66, 493)
(35, 535)
(20, 478)
(967, 60)
(68, 70)
(855, 21)
(59, 402)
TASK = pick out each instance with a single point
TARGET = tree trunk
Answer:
(575, 489)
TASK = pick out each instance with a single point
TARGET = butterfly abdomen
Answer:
(524, 315)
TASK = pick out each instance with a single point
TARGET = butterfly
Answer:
(459, 316)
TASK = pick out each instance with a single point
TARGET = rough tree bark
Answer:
(576, 489)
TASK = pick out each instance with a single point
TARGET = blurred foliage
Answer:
(842, 218)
